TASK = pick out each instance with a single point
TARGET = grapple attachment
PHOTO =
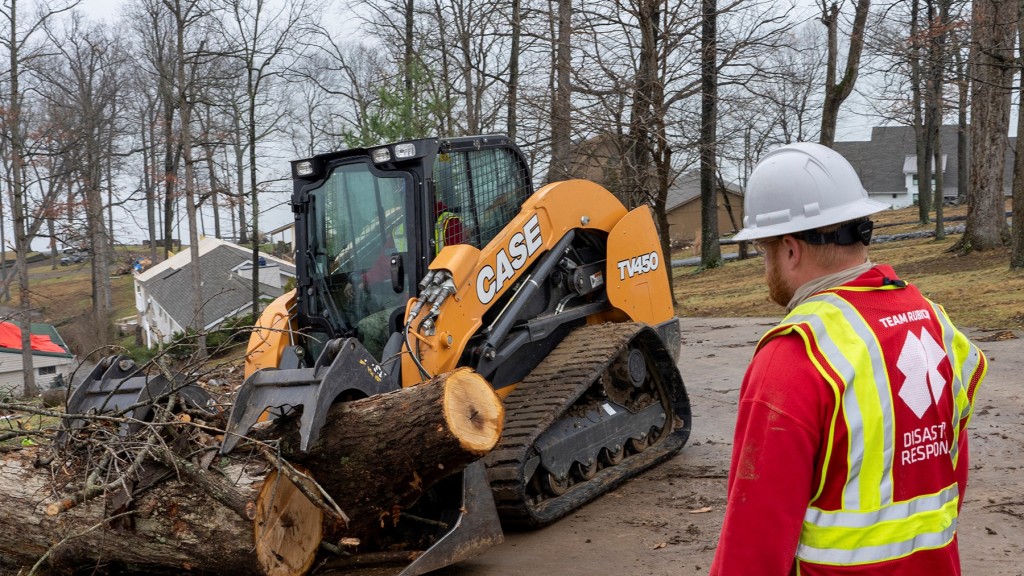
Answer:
(476, 529)
(343, 365)
(118, 385)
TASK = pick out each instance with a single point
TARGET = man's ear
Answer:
(791, 253)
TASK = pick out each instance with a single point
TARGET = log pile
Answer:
(164, 501)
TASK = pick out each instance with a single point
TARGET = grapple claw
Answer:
(343, 365)
(117, 384)
(476, 529)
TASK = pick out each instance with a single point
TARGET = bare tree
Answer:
(263, 36)
(993, 32)
(186, 15)
(561, 87)
(83, 90)
(837, 90)
(16, 42)
(711, 252)
(1017, 229)
(939, 65)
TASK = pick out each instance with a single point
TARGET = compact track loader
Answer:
(427, 255)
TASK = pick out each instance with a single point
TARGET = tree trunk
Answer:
(513, 69)
(561, 109)
(962, 144)
(244, 513)
(711, 250)
(176, 525)
(938, 70)
(452, 419)
(22, 240)
(149, 159)
(836, 92)
(1017, 229)
(170, 170)
(992, 53)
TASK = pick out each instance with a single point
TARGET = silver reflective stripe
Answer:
(948, 334)
(869, 554)
(854, 414)
(961, 376)
(895, 511)
(851, 408)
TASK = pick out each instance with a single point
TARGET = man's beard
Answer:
(778, 291)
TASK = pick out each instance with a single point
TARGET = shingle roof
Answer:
(223, 291)
(687, 187)
(880, 161)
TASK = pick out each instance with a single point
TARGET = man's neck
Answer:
(826, 281)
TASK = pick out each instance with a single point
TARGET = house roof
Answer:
(184, 258)
(686, 188)
(879, 173)
(223, 292)
(45, 340)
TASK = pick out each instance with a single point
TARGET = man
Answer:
(447, 227)
(850, 452)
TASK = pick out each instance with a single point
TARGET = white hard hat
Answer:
(801, 187)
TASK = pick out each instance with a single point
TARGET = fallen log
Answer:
(185, 508)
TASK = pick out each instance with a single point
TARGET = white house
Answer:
(887, 164)
(164, 295)
(52, 360)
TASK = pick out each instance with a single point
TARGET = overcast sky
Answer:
(853, 125)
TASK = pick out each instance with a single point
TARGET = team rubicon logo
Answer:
(919, 361)
(924, 384)
(637, 265)
(522, 245)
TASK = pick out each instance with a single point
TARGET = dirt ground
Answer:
(666, 522)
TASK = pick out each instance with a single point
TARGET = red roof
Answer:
(10, 337)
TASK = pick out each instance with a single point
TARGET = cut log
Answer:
(288, 527)
(376, 456)
(177, 528)
(237, 514)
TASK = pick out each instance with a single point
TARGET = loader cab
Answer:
(368, 221)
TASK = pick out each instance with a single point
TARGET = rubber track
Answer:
(537, 403)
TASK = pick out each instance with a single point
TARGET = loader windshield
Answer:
(359, 225)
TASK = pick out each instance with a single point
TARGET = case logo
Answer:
(638, 265)
(509, 260)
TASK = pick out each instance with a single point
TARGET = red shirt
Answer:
(785, 413)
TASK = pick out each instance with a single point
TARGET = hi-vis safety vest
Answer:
(871, 525)
(398, 237)
(441, 229)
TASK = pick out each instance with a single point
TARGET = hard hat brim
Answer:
(845, 213)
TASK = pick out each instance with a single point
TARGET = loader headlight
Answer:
(304, 168)
(407, 150)
(381, 155)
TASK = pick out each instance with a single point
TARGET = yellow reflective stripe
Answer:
(880, 541)
(398, 236)
(441, 228)
(856, 355)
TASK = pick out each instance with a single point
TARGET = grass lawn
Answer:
(978, 289)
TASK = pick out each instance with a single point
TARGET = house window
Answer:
(916, 181)
(47, 370)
